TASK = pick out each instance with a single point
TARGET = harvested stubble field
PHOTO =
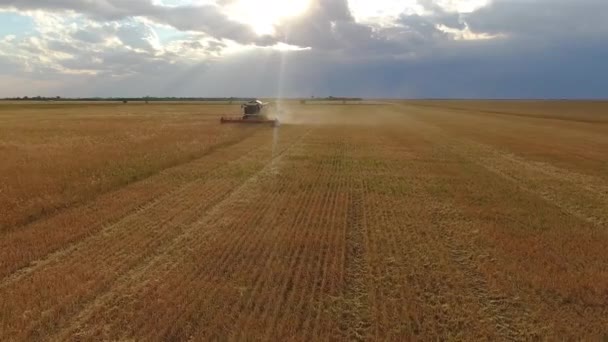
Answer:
(425, 220)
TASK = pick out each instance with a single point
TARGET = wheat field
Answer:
(391, 220)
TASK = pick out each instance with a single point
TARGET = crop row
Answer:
(67, 281)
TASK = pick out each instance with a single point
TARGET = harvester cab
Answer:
(253, 113)
(253, 108)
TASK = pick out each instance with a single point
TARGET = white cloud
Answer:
(383, 11)
(200, 47)
(466, 33)
(263, 15)
(462, 6)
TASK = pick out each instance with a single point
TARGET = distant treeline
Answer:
(123, 99)
(332, 98)
(150, 99)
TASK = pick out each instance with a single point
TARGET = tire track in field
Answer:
(385, 239)
(333, 274)
(167, 259)
(355, 307)
(512, 320)
(38, 256)
(556, 187)
(573, 194)
(440, 240)
(145, 234)
(385, 242)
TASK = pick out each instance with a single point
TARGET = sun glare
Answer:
(263, 15)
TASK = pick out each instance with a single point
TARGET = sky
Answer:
(303, 48)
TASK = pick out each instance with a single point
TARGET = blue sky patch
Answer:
(15, 24)
(167, 34)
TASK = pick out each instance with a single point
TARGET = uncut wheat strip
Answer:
(18, 306)
(171, 281)
(229, 323)
(141, 212)
(237, 250)
(293, 199)
(226, 252)
(242, 239)
(224, 321)
(144, 237)
(175, 242)
(293, 258)
(21, 250)
(333, 266)
(273, 319)
(196, 196)
(254, 308)
(40, 255)
(337, 159)
(325, 224)
(209, 147)
(333, 245)
(137, 282)
(178, 323)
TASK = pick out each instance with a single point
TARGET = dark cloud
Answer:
(545, 19)
(90, 35)
(205, 18)
(136, 35)
(466, 71)
(539, 49)
(329, 25)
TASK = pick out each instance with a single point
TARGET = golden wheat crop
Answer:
(426, 220)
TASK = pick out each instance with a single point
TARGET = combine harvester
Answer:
(253, 113)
